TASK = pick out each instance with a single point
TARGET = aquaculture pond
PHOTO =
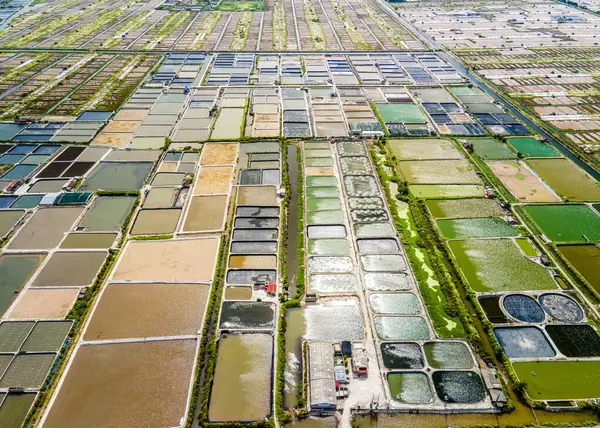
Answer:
(377, 246)
(329, 264)
(399, 303)
(333, 283)
(107, 213)
(439, 172)
(8, 219)
(464, 208)
(523, 308)
(498, 265)
(561, 307)
(374, 230)
(476, 228)
(567, 179)
(491, 307)
(586, 259)
(526, 246)
(387, 281)
(97, 385)
(294, 332)
(15, 271)
(156, 222)
(459, 387)
(434, 191)
(238, 293)
(321, 204)
(15, 407)
(560, 380)
(531, 147)
(424, 149)
(148, 310)
(88, 240)
(575, 341)
(410, 387)
(247, 315)
(118, 176)
(242, 379)
(401, 328)
(448, 355)
(328, 246)
(524, 342)
(490, 148)
(334, 320)
(402, 355)
(566, 223)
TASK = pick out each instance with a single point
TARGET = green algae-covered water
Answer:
(325, 217)
(533, 148)
(410, 387)
(498, 265)
(448, 355)
(475, 228)
(586, 259)
(566, 223)
(320, 204)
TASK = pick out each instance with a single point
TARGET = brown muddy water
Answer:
(156, 222)
(238, 293)
(71, 269)
(181, 260)
(46, 228)
(125, 385)
(206, 213)
(148, 310)
(242, 384)
(88, 240)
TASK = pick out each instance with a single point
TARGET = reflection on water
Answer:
(334, 321)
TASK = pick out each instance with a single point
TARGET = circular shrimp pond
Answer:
(523, 308)
(561, 308)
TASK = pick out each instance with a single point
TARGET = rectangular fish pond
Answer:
(97, 385)
(499, 265)
(118, 176)
(566, 223)
(241, 390)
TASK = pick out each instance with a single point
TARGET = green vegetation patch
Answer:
(475, 228)
(560, 380)
(464, 208)
(567, 179)
(498, 265)
(531, 147)
(490, 148)
(566, 223)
